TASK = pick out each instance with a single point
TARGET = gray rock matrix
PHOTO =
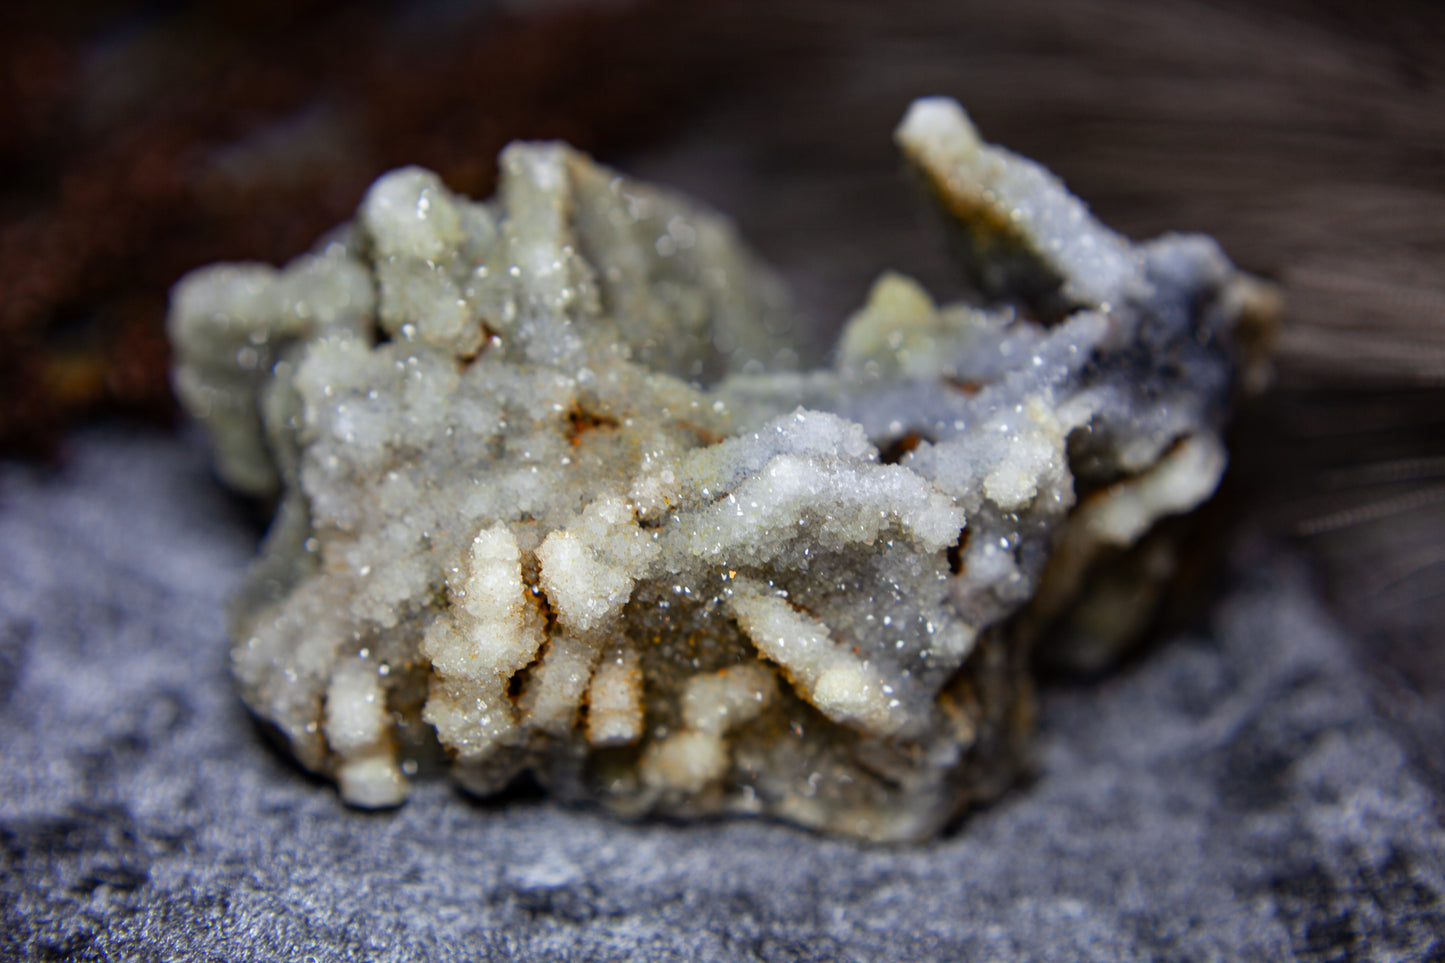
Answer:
(555, 498)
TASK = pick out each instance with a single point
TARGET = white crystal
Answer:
(551, 499)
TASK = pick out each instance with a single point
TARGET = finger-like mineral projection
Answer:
(553, 497)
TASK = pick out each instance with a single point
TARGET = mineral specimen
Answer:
(554, 497)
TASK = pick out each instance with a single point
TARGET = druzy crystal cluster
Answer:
(554, 497)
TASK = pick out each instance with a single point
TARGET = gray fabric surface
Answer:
(1236, 794)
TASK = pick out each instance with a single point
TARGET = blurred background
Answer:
(139, 140)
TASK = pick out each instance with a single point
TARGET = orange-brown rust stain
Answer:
(702, 433)
(988, 223)
(967, 388)
(802, 609)
(580, 422)
(895, 451)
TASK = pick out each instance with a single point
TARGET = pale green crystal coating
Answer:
(554, 497)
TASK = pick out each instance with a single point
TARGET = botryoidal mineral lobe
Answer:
(554, 497)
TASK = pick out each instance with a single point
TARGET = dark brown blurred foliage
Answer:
(1307, 135)
(140, 140)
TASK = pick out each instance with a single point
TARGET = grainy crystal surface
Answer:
(554, 497)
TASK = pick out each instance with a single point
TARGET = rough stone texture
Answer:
(1235, 795)
(553, 499)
